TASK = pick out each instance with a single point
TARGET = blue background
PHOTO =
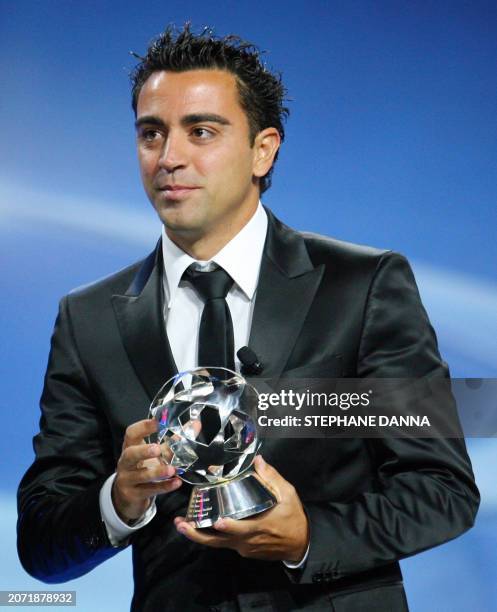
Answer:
(391, 142)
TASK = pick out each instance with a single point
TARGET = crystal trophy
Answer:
(207, 430)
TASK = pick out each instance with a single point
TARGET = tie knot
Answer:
(209, 285)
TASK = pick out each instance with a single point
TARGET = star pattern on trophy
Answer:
(207, 424)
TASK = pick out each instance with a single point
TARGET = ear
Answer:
(266, 145)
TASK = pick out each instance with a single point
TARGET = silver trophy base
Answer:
(236, 498)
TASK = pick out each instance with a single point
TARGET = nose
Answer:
(174, 152)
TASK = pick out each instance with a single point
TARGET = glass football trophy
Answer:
(207, 431)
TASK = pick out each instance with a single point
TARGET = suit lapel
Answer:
(287, 285)
(139, 313)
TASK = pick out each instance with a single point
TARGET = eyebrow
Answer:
(185, 121)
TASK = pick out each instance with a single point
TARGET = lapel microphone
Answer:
(249, 360)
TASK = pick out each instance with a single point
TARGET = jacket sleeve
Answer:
(424, 492)
(60, 534)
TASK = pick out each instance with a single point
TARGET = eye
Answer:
(149, 135)
(202, 133)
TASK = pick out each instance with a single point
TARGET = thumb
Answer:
(271, 477)
(267, 472)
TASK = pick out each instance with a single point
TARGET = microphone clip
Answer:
(251, 366)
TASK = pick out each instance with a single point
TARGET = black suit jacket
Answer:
(323, 308)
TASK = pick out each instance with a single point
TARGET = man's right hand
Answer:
(138, 469)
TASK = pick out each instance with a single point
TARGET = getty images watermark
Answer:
(427, 407)
(288, 398)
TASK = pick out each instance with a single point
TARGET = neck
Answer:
(205, 245)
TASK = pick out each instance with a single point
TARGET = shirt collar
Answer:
(241, 257)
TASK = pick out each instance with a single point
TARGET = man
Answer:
(209, 125)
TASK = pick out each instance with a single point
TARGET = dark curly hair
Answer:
(261, 93)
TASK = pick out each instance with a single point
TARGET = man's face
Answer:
(196, 162)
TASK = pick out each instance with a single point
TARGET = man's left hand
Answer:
(280, 533)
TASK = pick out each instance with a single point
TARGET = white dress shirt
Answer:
(241, 259)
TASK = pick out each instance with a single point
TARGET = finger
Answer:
(132, 455)
(149, 463)
(135, 432)
(233, 527)
(166, 452)
(149, 474)
(181, 523)
(200, 536)
(265, 470)
(192, 427)
(182, 519)
(270, 476)
(159, 488)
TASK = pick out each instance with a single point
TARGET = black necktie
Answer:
(216, 344)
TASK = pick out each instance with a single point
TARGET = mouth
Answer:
(176, 192)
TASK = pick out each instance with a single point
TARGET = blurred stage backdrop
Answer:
(391, 142)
